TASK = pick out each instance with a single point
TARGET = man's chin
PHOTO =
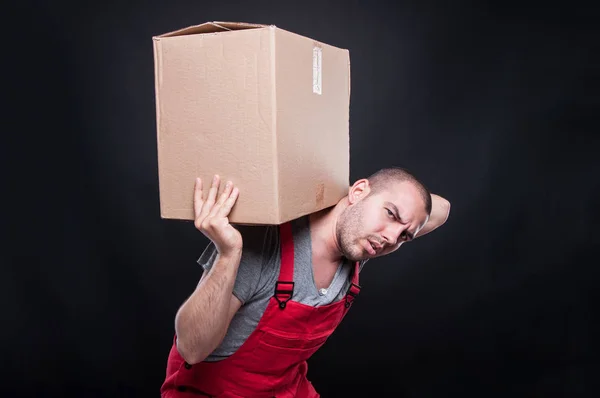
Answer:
(356, 252)
(358, 256)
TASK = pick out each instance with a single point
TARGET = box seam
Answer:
(274, 120)
(349, 76)
(158, 68)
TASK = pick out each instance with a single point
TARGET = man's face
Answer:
(379, 223)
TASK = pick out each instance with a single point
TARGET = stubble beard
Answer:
(348, 232)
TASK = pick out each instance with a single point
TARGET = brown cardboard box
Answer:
(258, 105)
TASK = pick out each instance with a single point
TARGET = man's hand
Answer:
(212, 218)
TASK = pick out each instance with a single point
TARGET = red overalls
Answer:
(272, 361)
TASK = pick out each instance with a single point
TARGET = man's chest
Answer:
(324, 274)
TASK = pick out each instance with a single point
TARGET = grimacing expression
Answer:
(381, 222)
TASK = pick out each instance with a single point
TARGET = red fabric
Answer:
(272, 361)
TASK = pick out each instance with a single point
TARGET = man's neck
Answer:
(325, 246)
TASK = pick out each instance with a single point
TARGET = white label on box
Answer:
(317, 70)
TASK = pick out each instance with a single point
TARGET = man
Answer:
(270, 296)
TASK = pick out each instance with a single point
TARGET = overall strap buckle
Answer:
(352, 293)
(283, 295)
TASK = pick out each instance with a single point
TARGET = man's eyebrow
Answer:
(395, 209)
(410, 235)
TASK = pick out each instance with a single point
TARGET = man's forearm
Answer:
(440, 210)
(202, 321)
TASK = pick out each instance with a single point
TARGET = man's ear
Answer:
(359, 190)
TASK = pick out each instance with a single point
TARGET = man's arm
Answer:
(440, 210)
(202, 321)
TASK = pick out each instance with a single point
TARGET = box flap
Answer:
(212, 27)
(239, 25)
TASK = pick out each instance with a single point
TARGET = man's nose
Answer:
(392, 234)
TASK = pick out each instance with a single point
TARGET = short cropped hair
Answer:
(382, 178)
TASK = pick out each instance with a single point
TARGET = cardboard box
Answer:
(258, 105)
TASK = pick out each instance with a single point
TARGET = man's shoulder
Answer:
(256, 235)
(258, 241)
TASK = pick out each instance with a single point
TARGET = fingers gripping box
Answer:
(261, 106)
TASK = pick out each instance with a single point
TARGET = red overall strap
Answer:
(356, 272)
(284, 288)
(354, 288)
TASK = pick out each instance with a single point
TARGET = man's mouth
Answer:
(374, 246)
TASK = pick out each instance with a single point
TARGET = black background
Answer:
(493, 106)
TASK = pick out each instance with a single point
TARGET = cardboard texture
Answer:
(263, 107)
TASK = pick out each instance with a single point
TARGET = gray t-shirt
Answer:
(258, 271)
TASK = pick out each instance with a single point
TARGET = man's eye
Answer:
(390, 213)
